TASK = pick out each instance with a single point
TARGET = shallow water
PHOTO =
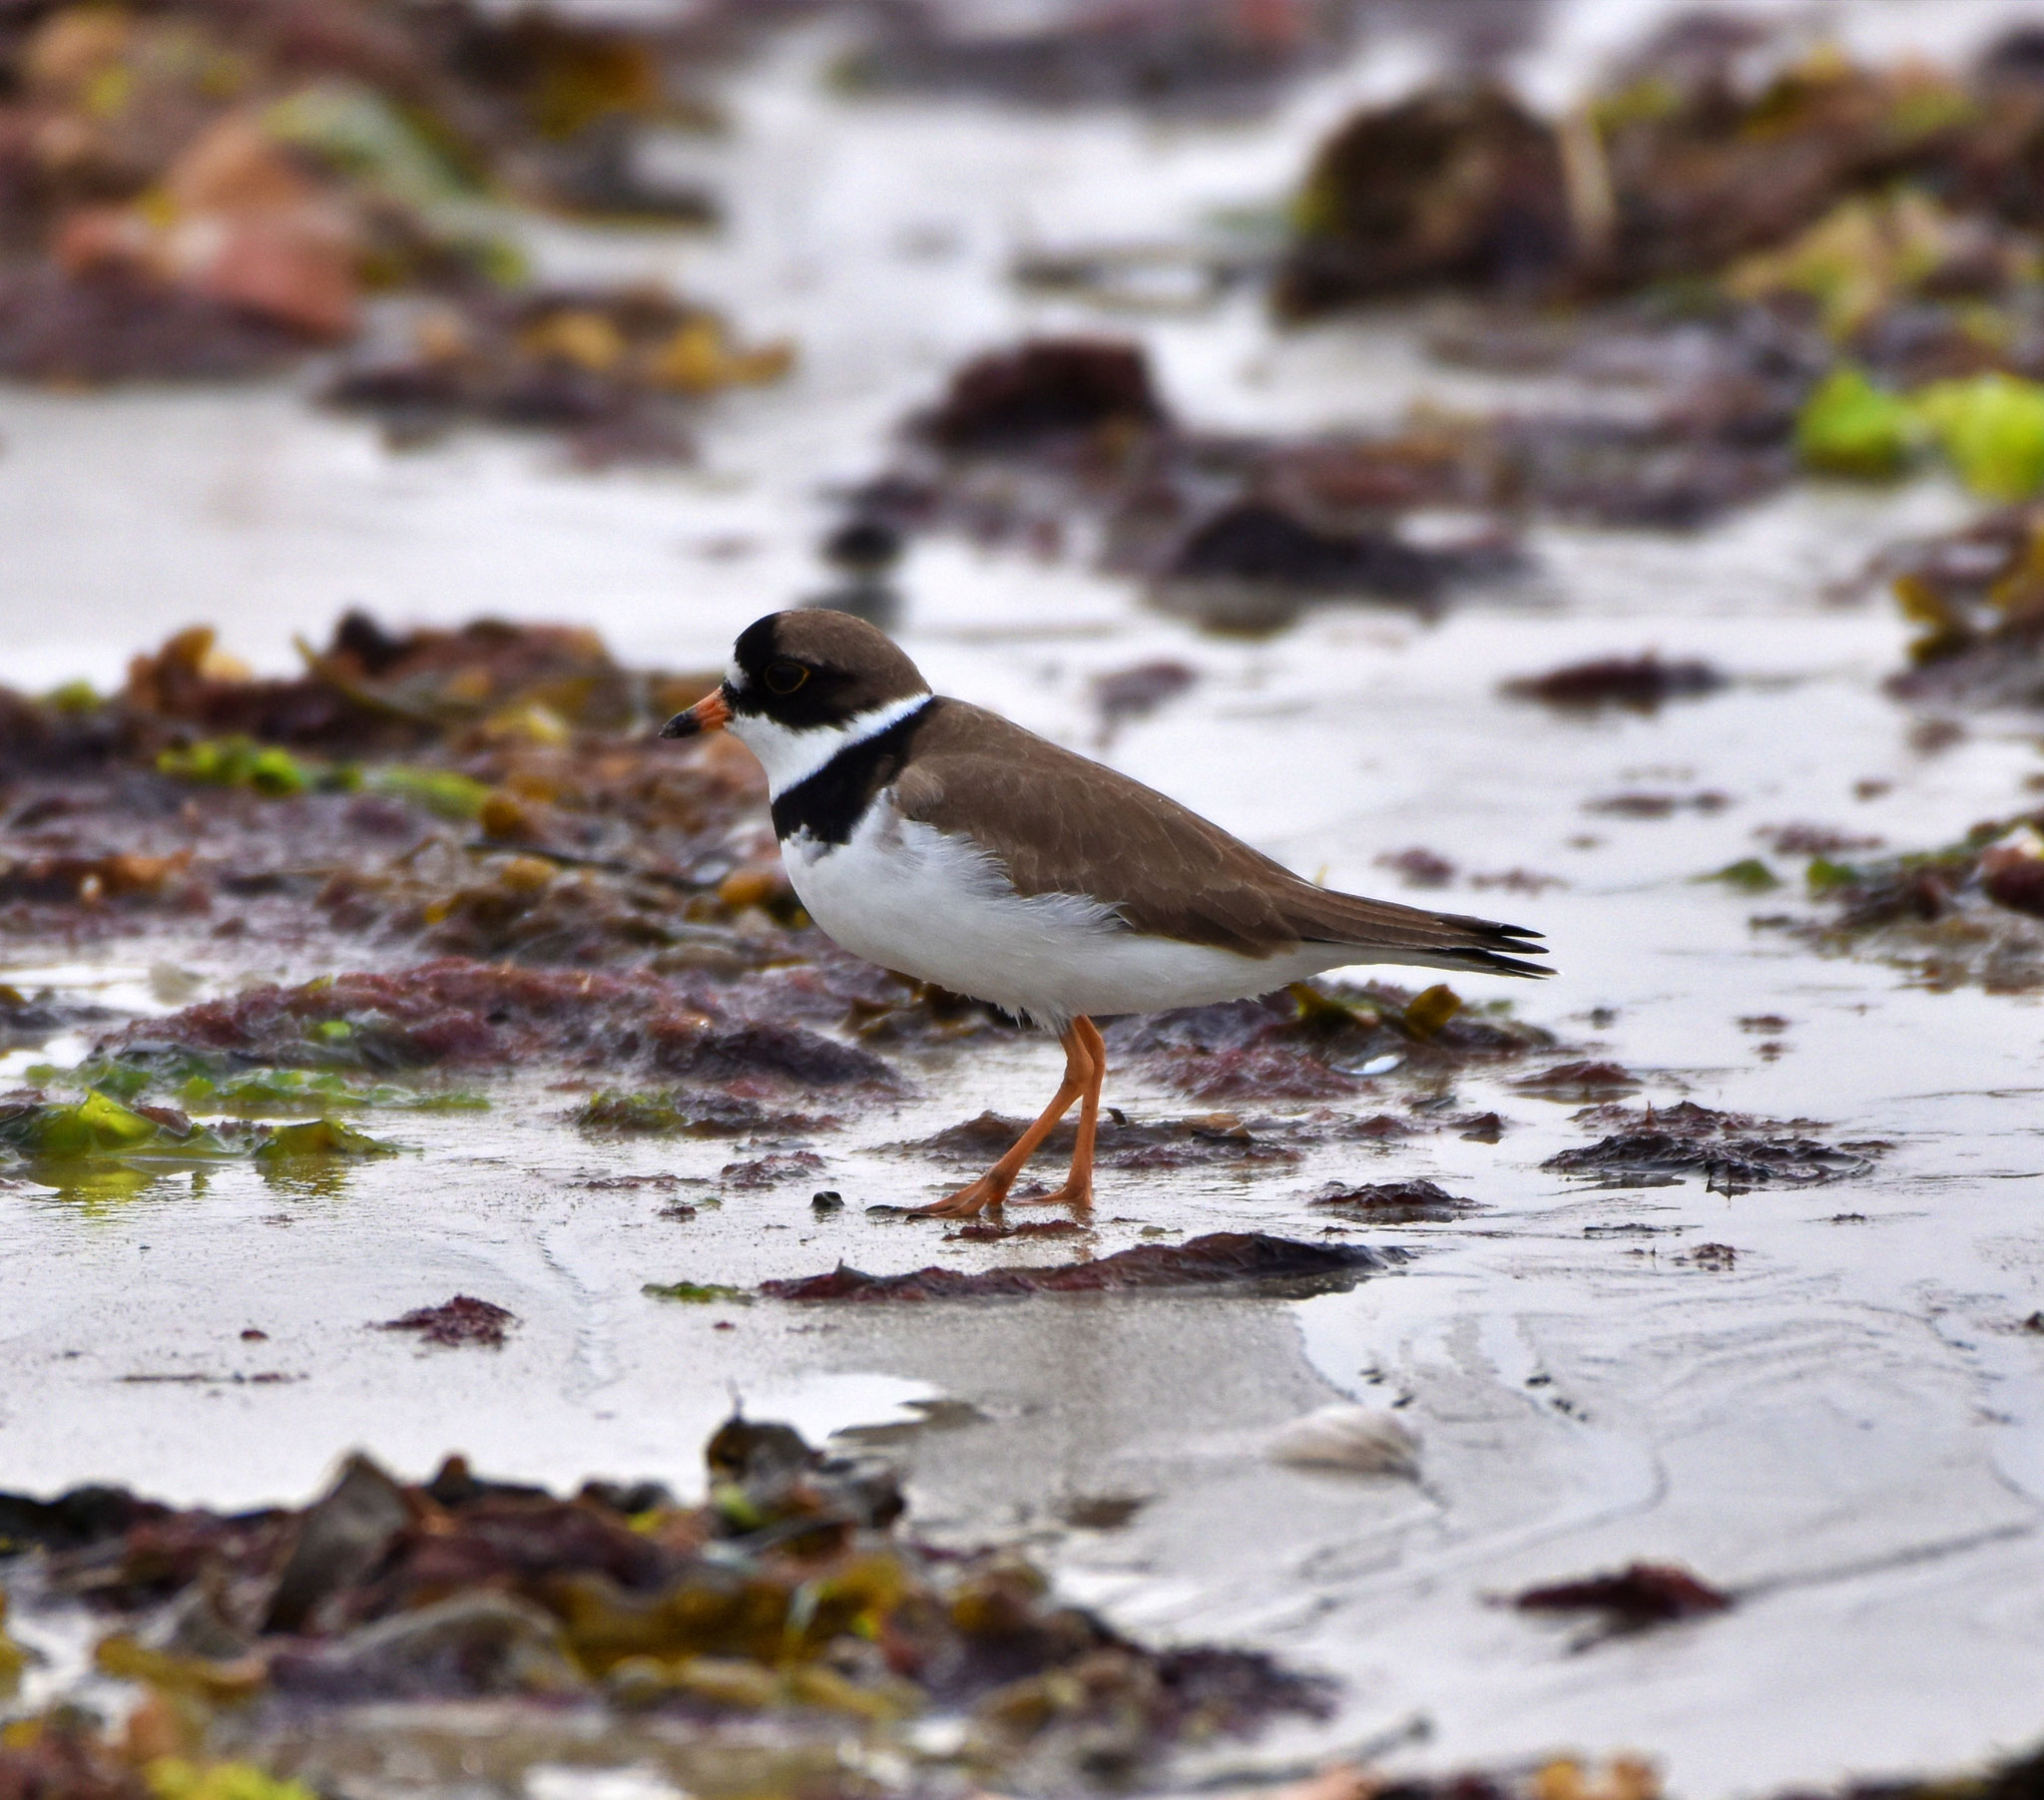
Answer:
(1846, 1427)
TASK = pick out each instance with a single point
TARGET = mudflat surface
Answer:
(1840, 1422)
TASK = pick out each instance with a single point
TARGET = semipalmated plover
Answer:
(937, 839)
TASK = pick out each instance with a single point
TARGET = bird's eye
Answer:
(783, 677)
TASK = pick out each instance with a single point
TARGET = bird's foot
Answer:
(1076, 1194)
(967, 1202)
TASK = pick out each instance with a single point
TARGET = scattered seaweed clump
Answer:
(491, 790)
(1579, 1082)
(64, 1142)
(461, 1320)
(1126, 1144)
(609, 371)
(1640, 1595)
(1217, 1261)
(1654, 1147)
(1976, 598)
(373, 690)
(1312, 1042)
(1457, 184)
(199, 190)
(1414, 1201)
(1251, 565)
(1242, 532)
(457, 1014)
(1970, 914)
(1642, 683)
(691, 1112)
(1719, 150)
(794, 1594)
(1047, 393)
(1201, 56)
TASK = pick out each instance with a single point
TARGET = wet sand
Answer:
(1845, 1428)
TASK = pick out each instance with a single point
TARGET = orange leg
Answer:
(1077, 1191)
(1084, 1066)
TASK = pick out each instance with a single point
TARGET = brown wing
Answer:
(1063, 825)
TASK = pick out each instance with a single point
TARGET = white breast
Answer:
(911, 898)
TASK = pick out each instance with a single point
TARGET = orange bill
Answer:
(711, 713)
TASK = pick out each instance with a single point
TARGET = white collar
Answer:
(790, 757)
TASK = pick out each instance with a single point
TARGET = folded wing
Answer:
(1060, 824)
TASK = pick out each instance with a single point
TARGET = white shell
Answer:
(1360, 1439)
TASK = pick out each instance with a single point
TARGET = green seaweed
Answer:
(287, 1090)
(1750, 875)
(279, 774)
(1991, 428)
(1848, 426)
(74, 697)
(696, 1293)
(65, 1141)
(96, 1125)
(317, 1137)
(1825, 876)
(199, 1084)
(362, 132)
(241, 762)
(176, 1778)
(677, 1112)
(442, 791)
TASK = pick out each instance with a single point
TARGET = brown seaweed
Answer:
(1219, 1260)
(461, 1320)
(794, 1591)
(1641, 1594)
(1642, 683)
(1310, 1044)
(1733, 1151)
(1412, 1201)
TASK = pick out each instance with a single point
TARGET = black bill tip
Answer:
(683, 724)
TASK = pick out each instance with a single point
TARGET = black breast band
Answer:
(830, 804)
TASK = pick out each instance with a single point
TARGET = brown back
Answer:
(1060, 824)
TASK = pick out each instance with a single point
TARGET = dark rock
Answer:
(1454, 185)
(467, 1646)
(73, 1521)
(1012, 401)
(2013, 879)
(341, 1539)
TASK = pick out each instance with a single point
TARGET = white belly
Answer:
(911, 898)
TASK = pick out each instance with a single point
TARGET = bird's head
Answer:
(802, 685)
